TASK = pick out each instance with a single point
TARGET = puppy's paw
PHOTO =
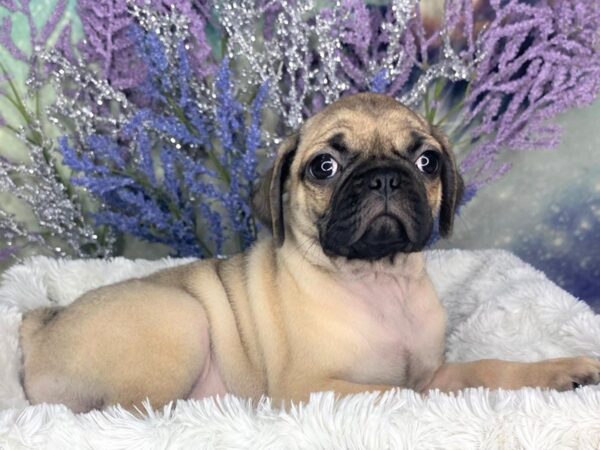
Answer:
(564, 374)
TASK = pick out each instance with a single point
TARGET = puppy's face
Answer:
(362, 180)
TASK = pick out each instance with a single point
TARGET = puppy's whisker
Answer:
(309, 248)
(309, 243)
(306, 246)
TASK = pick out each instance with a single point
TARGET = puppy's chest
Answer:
(398, 335)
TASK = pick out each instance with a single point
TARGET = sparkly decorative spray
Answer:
(153, 132)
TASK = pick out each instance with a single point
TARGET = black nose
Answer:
(384, 181)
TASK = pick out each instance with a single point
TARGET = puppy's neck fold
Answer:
(369, 291)
(408, 267)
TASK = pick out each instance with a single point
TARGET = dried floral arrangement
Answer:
(162, 114)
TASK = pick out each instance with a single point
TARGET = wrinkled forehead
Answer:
(370, 131)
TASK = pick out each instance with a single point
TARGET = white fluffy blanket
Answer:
(498, 307)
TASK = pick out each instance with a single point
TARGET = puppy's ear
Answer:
(267, 197)
(452, 185)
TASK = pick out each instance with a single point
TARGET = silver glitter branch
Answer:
(84, 104)
(264, 61)
(303, 36)
(39, 185)
(402, 12)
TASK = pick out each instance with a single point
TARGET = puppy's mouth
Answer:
(384, 236)
(384, 229)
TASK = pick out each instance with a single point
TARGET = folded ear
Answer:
(452, 185)
(267, 197)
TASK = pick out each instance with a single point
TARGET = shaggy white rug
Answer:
(499, 307)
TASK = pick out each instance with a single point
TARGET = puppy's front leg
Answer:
(301, 393)
(347, 387)
(561, 374)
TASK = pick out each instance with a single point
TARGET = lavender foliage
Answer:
(109, 42)
(146, 179)
(7, 252)
(540, 60)
(38, 36)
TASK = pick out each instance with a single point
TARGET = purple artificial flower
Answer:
(7, 42)
(107, 27)
(171, 180)
(540, 60)
(38, 36)
(193, 205)
(198, 13)
(157, 79)
(366, 45)
(228, 113)
(380, 82)
(64, 44)
(8, 252)
(130, 205)
(253, 137)
(239, 153)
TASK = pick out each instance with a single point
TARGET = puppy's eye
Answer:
(324, 166)
(428, 162)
